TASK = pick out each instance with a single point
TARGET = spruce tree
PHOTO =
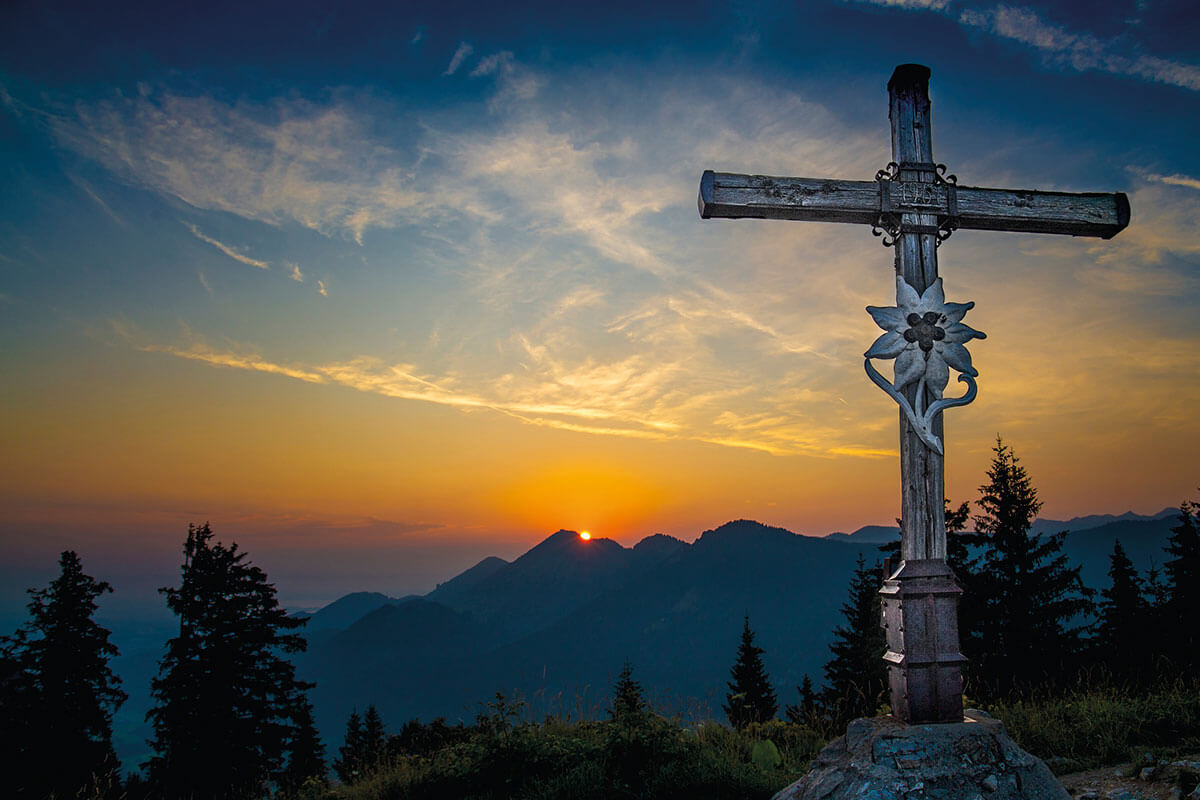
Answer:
(628, 701)
(349, 764)
(306, 754)
(374, 741)
(750, 698)
(59, 693)
(1028, 596)
(806, 712)
(1121, 634)
(856, 676)
(225, 697)
(1182, 606)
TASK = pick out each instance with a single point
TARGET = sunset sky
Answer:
(378, 291)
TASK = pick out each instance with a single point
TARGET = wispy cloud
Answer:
(234, 360)
(233, 253)
(321, 290)
(1060, 45)
(90, 192)
(624, 399)
(1080, 51)
(460, 55)
(1175, 180)
(294, 271)
(287, 161)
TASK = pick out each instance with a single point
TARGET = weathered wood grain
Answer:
(733, 196)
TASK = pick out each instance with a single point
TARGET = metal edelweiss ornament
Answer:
(925, 335)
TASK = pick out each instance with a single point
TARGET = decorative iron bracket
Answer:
(915, 188)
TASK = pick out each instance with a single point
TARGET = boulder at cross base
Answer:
(884, 759)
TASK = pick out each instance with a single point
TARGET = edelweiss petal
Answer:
(887, 346)
(906, 296)
(934, 298)
(910, 366)
(889, 318)
(956, 311)
(937, 374)
(962, 333)
(957, 356)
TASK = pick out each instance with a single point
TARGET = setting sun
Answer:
(584, 535)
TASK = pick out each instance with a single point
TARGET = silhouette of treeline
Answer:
(1027, 623)
(231, 720)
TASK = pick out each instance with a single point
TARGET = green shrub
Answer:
(638, 756)
(1092, 726)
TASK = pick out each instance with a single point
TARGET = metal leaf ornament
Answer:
(925, 335)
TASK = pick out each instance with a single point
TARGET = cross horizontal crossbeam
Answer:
(734, 196)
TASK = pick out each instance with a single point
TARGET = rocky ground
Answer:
(1147, 779)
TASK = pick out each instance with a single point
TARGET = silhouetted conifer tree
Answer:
(1028, 595)
(856, 676)
(1121, 633)
(306, 754)
(374, 740)
(365, 751)
(750, 698)
(349, 763)
(225, 698)
(58, 694)
(628, 701)
(1182, 601)
(806, 712)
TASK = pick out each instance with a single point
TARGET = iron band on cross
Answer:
(915, 187)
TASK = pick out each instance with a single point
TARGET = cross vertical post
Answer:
(920, 599)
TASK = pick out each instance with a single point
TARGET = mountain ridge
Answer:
(560, 620)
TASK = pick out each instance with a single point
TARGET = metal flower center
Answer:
(925, 330)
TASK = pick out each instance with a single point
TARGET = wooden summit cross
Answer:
(915, 206)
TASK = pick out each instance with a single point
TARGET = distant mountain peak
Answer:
(738, 532)
(568, 545)
(868, 534)
(747, 526)
(659, 540)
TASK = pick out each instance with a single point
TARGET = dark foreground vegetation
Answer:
(1080, 678)
(636, 754)
(642, 755)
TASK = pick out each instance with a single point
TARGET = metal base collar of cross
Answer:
(915, 206)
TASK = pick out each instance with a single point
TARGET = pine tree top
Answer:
(750, 698)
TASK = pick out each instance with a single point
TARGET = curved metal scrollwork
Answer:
(887, 226)
(940, 176)
(922, 421)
